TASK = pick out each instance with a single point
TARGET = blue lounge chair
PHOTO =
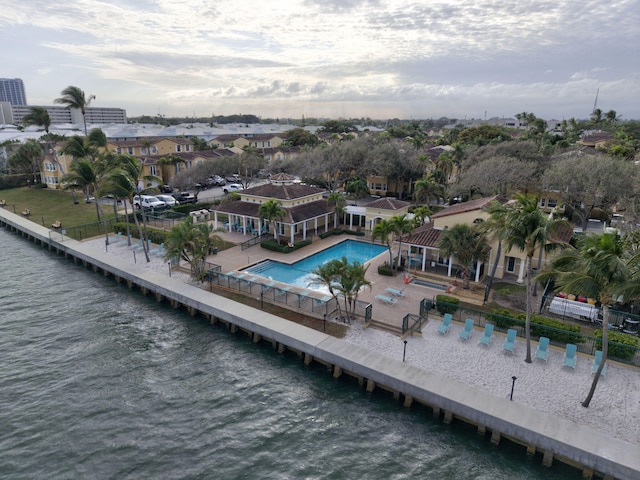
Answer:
(570, 356)
(466, 332)
(387, 300)
(443, 328)
(543, 349)
(510, 343)
(488, 335)
(116, 239)
(395, 292)
(137, 245)
(596, 363)
(159, 250)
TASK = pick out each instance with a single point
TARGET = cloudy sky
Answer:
(330, 58)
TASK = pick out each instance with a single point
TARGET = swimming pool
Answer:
(299, 273)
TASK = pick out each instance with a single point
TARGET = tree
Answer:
(326, 275)
(426, 189)
(38, 116)
(496, 227)
(357, 187)
(596, 269)
(26, 159)
(272, 210)
(465, 243)
(191, 243)
(400, 225)
(384, 231)
(420, 215)
(530, 229)
(74, 97)
(337, 201)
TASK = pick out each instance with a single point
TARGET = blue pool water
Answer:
(299, 273)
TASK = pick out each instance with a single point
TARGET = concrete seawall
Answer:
(539, 433)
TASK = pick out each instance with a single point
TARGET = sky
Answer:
(330, 58)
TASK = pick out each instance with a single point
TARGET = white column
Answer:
(521, 272)
(424, 258)
(478, 265)
(450, 266)
(215, 219)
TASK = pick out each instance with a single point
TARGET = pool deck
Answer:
(236, 259)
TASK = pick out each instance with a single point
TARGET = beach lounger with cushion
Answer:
(466, 332)
(386, 300)
(395, 292)
(543, 349)
(488, 335)
(570, 356)
(444, 327)
(509, 344)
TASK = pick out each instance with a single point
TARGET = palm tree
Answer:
(465, 243)
(596, 269)
(426, 189)
(496, 226)
(358, 187)
(272, 210)
(420, 215)
(384, 231)
(327, 275)
(74, 97)
(401, 226)
(337, 201)
(530, 229)
(38, 116)
(190, 242)
(350, 280)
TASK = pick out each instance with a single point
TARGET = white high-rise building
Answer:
(12, 91)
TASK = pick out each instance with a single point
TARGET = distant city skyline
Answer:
(331, 58)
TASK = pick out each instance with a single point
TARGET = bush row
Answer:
(446, 304)
(340, 232)
(273, 245)
(621, 345)
(540, 326)
(156, 236)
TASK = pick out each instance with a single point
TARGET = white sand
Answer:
(545, 386)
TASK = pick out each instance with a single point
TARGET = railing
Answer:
(412, 323)
(254, 240)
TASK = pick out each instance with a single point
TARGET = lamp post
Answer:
(513, 384)
(404, 352)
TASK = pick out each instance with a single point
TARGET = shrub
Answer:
(330, 232)
(557, 330)
(502, 318)
(385, 270)
(446, 304)
(153, 234)
(621, 345)
(273, 245)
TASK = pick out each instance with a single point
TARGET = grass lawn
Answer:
(48, 205)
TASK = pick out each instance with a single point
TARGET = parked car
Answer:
(165, 188)
(184, 197)
(216, 181)
(235, 178)
(168, 200)
(148, 202)
(232, 187)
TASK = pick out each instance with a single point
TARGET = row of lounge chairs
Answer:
(393, 296)
(509, 345)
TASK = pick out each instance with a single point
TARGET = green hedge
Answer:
(621, 345)
(540, 326)
(156, 236)
(275, 246)
(502, 318)
(385, 270)
(446, 304)
(330, 233)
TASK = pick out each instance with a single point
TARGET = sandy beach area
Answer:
(545, 386)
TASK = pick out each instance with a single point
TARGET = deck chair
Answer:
(466, 332)
(56, 225)
(159, 250)
(510, 343)
(596, 363)
(570, 356)
(488, 335)
(137, 245)
(387, 300)
(443, 328)
(395, 292)
(543, 349)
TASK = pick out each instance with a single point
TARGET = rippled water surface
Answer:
(100, 382)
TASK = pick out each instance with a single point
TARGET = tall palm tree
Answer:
(465, 243)
(327, 275)
(597, 269)
(401, 225)
(272, 210)
(74, 97)
(337, 201)
(420, 215)
(350, 280)
(358, 187)
(38, 116)
(384, 231)
(426, 189)
(496, 227)
(529, 230)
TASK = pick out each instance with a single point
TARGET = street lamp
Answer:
(513, 384)
(404, 352)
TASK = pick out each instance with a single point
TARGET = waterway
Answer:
(100, 382)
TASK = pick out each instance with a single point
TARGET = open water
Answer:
(99, 382)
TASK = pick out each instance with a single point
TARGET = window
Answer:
(178, 148)
(154, 149)
(130, 150)
(152, 170)
(552, 203)
(542, 202)
(511, 264)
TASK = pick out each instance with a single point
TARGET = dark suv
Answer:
(184, 197)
